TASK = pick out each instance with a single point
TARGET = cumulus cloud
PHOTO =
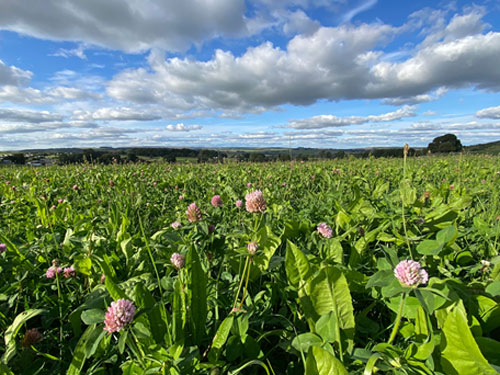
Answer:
(491, 112)
(330, 121)
(44, 127)
(117, 114)
(181, 127)
(29, 95)
(11, 75)
(24, 115)
(132, 26)
(333, 63)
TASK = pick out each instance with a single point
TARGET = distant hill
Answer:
(485, 148)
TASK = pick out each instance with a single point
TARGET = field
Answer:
(373, 266)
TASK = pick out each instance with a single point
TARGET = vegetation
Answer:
(445, 143)
(349, 266)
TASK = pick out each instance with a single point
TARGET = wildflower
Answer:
(52, 272)
(103, 278)
(69, 272)
(406, 149)
(31, 337)
(452, 187)
(60, 200)
(176, 225)
(3, 247)
(193, 213)
(177, 260)
(252, 247)
(119, 314)
(211, 228)
(255, 202)
(485, 266)
(75, 187)
(325, 230)
(181, 197)
(409, 273)
(238, 203)
(216, 201)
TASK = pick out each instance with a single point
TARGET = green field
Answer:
(263, 292)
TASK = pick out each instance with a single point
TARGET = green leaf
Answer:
(302, 342)
(460, 353)
(493, 289)
(122, 341)
(321, 362)
(83, 265)
(178, 312)
(333, 250)
(330, 292)
(146, 301)
(93, 316)
(430, 247)
(447, 235)
(114, 290)
(381, 278)
(79, 354)
(198, 289)
(268, 243)
(220, 338)
(327, 328)
(13, 330)
(408, 193)
(297, 266)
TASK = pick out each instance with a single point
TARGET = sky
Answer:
(239, 73)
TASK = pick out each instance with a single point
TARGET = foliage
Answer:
(302, 304)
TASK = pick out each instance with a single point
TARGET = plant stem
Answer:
(398, 319)
(241, 283)
(246, 282)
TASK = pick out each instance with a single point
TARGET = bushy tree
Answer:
(445, 143)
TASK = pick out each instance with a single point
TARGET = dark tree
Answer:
(445, 143)
(17, 158)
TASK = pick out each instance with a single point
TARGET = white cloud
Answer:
(44, 127)
(333, 63)
(73, 52)
(132, 26)
(117, 114)
(181, 127)
(24, 115)
(491, 112)
(361, 7)
(11, 75)
(330, 121)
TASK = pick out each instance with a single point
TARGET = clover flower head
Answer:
(410, 274)
(325, 230)
(119, 314)
(69, 272)
(193, 213)
(177, 260)
(216, 201)
(52, 272)
(31, 337)
(252, 247)
(254, 202)
(176, 225)
(3, 247)
(238, 203)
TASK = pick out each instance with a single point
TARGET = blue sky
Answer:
(262, 73)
